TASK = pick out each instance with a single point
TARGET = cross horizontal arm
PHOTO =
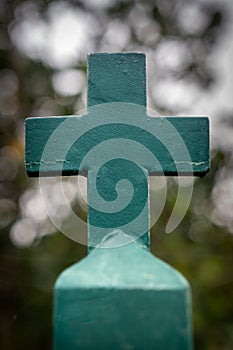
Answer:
(58, 145)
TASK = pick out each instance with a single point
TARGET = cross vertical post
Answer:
(120, 296)
(117, 78)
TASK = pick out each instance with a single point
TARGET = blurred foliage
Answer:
(201, 248)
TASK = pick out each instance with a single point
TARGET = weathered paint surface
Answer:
(194, 132)
(117, 111)
(123, 78)
(116, 96)
(119, 298)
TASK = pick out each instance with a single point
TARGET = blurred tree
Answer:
(43, 47)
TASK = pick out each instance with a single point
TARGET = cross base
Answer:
(122, 298)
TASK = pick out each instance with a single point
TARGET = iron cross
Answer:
(117, 146)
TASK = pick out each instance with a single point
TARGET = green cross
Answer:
(117, 141)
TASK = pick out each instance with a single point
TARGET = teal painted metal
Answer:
(117, 85)
(123, 78)
(193, 131)
(120, 297)
(133, 218)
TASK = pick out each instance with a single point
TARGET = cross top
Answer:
(117, 145)
(117, 77)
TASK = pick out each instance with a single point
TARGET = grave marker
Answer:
(120, 296)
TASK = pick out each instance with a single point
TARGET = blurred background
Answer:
(43, 48)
